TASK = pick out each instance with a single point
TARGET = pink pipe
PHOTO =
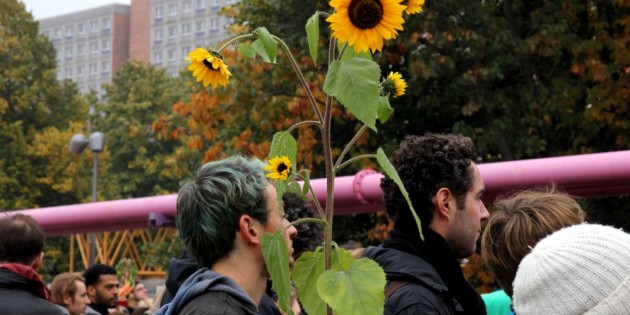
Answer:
(589, 175)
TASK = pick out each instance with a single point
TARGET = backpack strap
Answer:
(393, 286)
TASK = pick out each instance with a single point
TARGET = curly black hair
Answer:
(425, 164)
(309, 235)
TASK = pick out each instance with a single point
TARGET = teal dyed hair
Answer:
(210, 206)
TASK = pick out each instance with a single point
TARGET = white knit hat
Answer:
(583, 269)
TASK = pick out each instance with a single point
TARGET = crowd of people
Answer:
(536, 243)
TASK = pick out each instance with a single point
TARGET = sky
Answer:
(48, 8)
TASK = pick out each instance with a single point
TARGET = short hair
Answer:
(93, 274)
(519, 221)
(426, 164)
(22, 239)
(210, 206)
(309, 235)
(65, 284)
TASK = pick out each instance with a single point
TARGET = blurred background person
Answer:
(69, 293)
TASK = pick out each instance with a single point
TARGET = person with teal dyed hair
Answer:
(222, 214)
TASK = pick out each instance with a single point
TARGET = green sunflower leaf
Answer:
(306, 271)
(281, 188)
(385, 110)
(354, 83)
(276, 254)
(359, 289)
(341, 259)
(246, 50)
(269, 44)
(283, 144)
(306, 185)
(349, 53)
(389, 169)
(312, 33)
(260, 49)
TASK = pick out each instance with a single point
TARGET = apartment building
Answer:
(93, 44)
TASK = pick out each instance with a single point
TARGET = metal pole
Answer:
(93, 235)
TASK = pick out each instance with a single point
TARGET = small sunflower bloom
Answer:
(394, 85)
(208, 66)
(365, 24)
(279, 168)
(414, 6)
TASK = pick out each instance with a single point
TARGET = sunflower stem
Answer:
(301, 123)
(295, 66)
(306, 220)
(343, 50)
(346, 163)
(318, 206)
(349, 145)
(236, 39)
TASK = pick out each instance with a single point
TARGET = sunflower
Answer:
(209, 67)
(414, 6)
(279, 168)
(364, 24)
(394, 85)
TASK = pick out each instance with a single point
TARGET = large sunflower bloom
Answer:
(366, 23)
(414, 6)
(395, 85)
(279, 168)
(209, 67)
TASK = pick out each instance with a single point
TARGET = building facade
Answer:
(93, 44)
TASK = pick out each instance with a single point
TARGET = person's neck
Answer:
(239, 268)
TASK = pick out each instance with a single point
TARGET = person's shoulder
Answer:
(416, 298)
(213, 303)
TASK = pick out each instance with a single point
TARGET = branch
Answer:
(346, 163)
(236, 39)
(350, 144)
(301, 123)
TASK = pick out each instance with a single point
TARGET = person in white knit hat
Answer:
(583, 269)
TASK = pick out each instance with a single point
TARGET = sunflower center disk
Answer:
(365, 14)
(282, 167)
(209, 65)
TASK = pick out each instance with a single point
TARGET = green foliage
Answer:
(346, 290)
(306, 271)
(312, 33)
(355, 84)
(276, 256)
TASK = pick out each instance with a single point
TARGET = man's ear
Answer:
(444, 202)
(91, 291)
(67, 300)
(249, 229)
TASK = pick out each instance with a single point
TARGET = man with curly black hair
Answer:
(445, 188)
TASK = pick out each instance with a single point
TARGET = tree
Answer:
(31, 100)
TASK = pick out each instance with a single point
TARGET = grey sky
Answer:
(48, 8)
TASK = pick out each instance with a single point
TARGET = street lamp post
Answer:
(97, 144)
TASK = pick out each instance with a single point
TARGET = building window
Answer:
(172, 9)
(107, 23)
(68, 73)
(79, 71)
(106, 45)
(157, 34)
(59, 74)
(57, 33)
(93, 69)
(201, 4)
(172, 31)
(93, 47)
(185, 51)
(93, 26)
(69, 31)
(185, 29)
(159, 12)
(200, 26)
(80, 49)
(186, 6)
(68, 52)
(105, 68)
(157, 57)
(214, 23)
(172, 54)
(81, 28)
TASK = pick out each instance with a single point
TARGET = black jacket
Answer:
(434, 282)
(17, 297)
